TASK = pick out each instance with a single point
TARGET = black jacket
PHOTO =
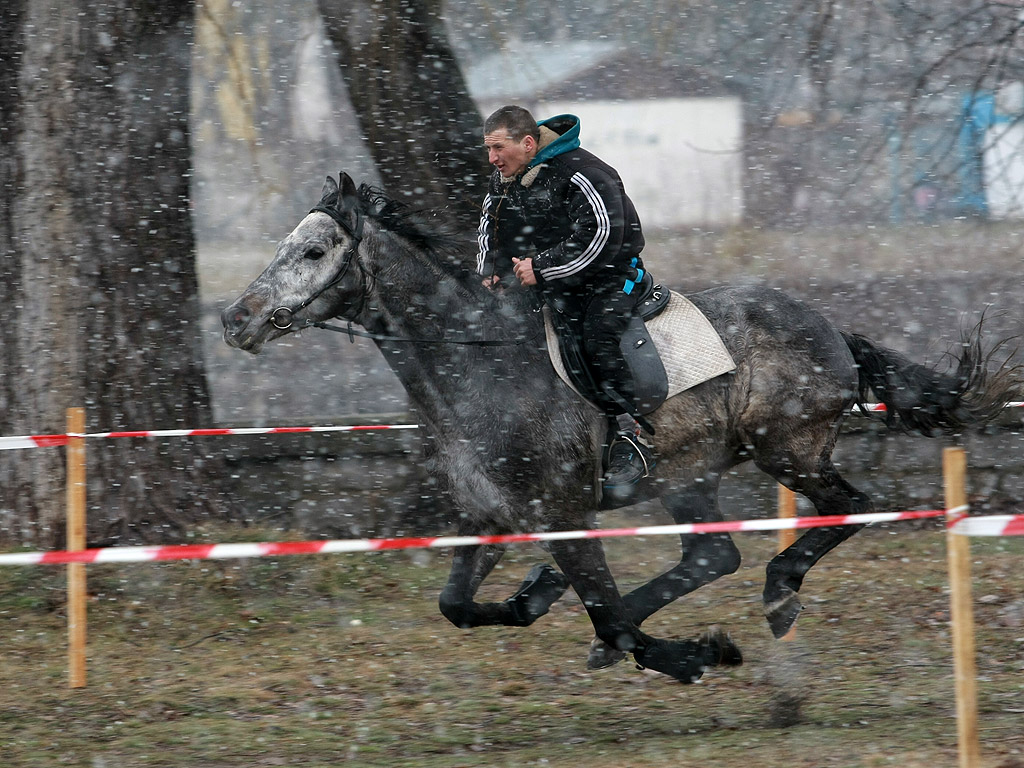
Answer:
(569, 212)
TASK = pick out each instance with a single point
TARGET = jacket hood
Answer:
(566, 130)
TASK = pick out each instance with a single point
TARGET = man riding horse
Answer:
(557, 217)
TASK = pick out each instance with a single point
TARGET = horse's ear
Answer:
(330, 188)
(348, 199)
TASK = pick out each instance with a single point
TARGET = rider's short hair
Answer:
(516, 120)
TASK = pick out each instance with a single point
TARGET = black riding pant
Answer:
(605, 318)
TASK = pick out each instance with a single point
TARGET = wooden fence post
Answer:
(958, 548)
(787, 536)
(76, 540)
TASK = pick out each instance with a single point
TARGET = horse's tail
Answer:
(923, 400)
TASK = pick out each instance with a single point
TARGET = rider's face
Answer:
(510, 157)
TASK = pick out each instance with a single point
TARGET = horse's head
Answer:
(311, 278)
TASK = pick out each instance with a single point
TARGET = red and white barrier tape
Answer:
(880, 407)
(264, 549)
(56, 440)
(989, 525)
(49, 441)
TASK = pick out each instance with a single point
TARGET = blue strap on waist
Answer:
(629, 285)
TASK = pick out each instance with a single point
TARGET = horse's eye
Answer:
(314, 254)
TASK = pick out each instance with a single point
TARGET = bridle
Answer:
(282, 318)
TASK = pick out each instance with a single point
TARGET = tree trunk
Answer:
(99, 260)
(11, 45)
(414, 109)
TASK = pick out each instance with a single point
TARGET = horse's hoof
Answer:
(721, 646)
(684, 660)
(602, 655)
(542, 586)
(782, 614)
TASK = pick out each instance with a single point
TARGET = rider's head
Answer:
(512, 139)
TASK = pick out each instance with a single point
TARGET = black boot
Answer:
(629, 461)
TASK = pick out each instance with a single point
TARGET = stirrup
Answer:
(631, 471)
(642, 450)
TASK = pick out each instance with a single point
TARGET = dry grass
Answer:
(321, 661)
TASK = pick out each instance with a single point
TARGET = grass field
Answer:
(344, 660)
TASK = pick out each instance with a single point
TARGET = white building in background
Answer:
(1003, 155)
(675, 137)
(681, 160)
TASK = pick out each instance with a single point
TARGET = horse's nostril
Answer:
(235, 318)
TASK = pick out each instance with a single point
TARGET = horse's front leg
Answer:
(584, 563)
(542, 586)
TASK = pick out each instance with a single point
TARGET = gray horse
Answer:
(518, 450)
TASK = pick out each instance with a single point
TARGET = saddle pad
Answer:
(690, 348)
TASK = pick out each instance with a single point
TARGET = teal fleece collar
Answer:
(568, 128)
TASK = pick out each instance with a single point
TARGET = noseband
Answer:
(282, 318)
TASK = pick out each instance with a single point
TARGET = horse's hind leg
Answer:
(471, 565)
(584, 563)
(705, 558)
(831, 495)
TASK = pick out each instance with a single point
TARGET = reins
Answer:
(353, 332)
(282, 318)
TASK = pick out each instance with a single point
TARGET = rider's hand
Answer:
(524, 271)
(491, 282)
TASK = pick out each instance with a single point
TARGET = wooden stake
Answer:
(958, 548)
(76, 540)
(787, 536)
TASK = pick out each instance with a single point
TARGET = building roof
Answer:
(627, 77)
(586, 70)
(521, 70)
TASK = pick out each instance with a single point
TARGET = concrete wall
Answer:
(342, 485)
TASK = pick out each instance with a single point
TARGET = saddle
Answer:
(670, 346)
(638, 351)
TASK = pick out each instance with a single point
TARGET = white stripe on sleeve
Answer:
(482, 239)
(601, 236)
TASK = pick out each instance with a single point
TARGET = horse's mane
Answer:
(435, 234)
(426, 229)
